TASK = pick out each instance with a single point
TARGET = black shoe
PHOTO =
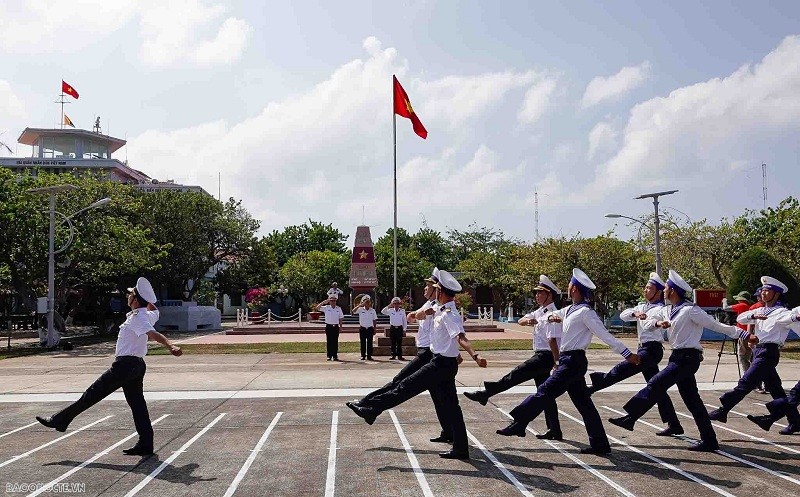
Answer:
(336, 358)
(478, 396)
(704, 446)
(138, 450)
(598, 451)
(464, 456)
(369, 358)
(363, 358)
(513, 429)
(626, 422)
(720, 415)
(329, 358)
(550, 435)
(442, 439)
(50, 422)
(401, 358)
(392, 358)
(763, 422)
(670, 430)
(790, 430)
(366, 413)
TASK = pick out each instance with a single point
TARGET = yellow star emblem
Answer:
(363, 254)
(408, 106)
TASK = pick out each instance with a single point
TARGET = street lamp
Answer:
(655, 196)
(52, 335)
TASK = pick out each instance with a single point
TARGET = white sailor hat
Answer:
(448, 282)
(333, 295)
(145, 290)
(582, 281)
(434, 277)
(546, 284)
(773, 284)
(677, 283)
(656, 280)
(365, 298)
(397, 300)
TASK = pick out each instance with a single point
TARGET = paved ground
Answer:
(275, 424)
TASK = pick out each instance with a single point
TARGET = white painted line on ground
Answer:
(765, 405)
(751, 437)
(171, 458)
(653, 458)
(619, 488)
(330, 478)
(412, 458)
(720, 452)
(197, 338)
(51, 442)
(19, 429)
(513, 479)
(47, 486)
(252, 457)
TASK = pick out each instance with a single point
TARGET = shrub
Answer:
(752, 265)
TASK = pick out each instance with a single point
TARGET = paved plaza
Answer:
(276, 424)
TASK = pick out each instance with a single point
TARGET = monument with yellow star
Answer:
(363, 276)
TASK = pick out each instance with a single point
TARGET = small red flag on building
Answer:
(402, 107)
(66, 88)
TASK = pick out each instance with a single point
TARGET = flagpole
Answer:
(394, 139)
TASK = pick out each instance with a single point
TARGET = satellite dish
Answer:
(66, 263)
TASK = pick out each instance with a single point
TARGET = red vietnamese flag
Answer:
(402, 107)
(66, 88)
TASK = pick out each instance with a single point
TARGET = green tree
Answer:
(475, 239)
(776, 229)
(412, 268)
(258, 267)
(434, 248)
(309, 274)
(306, 237)
(755, 263)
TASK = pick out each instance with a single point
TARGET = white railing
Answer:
(243, 318)
(486, 314)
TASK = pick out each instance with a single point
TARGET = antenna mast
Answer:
(536, 211)
(764, 182)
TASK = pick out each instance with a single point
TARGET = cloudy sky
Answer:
(588, 104)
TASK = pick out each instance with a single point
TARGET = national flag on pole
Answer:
(402, 107)
(66, 88)
(68, 121)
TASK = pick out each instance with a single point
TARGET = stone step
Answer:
(409, 352)
(386, 341)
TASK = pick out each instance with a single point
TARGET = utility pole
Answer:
(536, 212)
(764, 182)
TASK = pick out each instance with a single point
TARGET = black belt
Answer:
(651, 342)
(336, 325)
(768, 345)
(129, 358)
(573, 352)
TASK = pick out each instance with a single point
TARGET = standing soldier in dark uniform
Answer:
(333, 324)
(127, 371)
(439, 374)
(580, 323)
(651, 351)
(397, 326)
(546, 342)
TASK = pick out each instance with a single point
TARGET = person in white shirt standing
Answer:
(684, 322)
(335, 290)
(546, 341)
(333, 324)
(398, 323)
(127, 371)
(772, 324)
(367, 317)
(651, 351)
(580, 323)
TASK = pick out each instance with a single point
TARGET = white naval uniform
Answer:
(426, 325)
(543, 330)
(447, 325)
(580, 322)
(366, 317)
(686, 325)
(132, 338)
(645, 334)
(332, 314)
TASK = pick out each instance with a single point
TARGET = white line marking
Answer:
(197, 338)
(51, 442)
(412, 458)
(751, 437)
(252, 457)
(660, 461)
(720, 452)
(619, 488)
(171, 458)
(513, 479)
(330, 479)
(19, 429)
(48, 486)
(765, 405)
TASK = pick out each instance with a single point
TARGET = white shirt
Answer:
(774, 329)
(580, 322)
(447, 325)
(132, 339)
(686, 325)
(426, 325)
(367, 317)
(397, 317)
(544, 331)
(332, 314)
(645, 335)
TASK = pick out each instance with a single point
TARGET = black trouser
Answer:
(680, 371)
(439, 377)
(787, 406)
(424, 356)
(396, 335)
(650, 354)
(568, 377)
(332, 340)
(126, 372)
(538, 369)
(365, 336)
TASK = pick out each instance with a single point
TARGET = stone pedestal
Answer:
(188, 316)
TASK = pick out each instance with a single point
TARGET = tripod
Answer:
(735, 353)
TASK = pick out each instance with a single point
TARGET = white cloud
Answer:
(602, 138)
(605, 88)
(11, 107)
(537, 100)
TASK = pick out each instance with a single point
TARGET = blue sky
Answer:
(589, 104)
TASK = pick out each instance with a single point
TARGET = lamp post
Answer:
(52, 335)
